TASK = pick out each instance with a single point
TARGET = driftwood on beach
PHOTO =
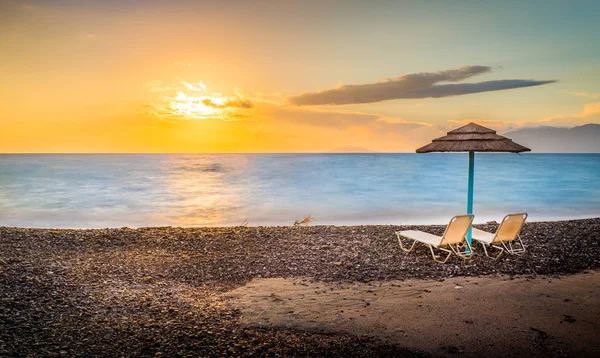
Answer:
(156, 291)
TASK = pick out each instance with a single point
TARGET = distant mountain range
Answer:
(581, 139)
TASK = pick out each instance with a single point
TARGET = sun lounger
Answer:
(506, 237)
(453, 240)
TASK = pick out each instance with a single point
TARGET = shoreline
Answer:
(141, 292)
(218, 226)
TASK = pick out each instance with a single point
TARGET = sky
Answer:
(288, 76)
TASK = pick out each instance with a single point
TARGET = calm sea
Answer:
(99, 190)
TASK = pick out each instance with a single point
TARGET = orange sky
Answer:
(181, 76)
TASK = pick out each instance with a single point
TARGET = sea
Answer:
(138, 190)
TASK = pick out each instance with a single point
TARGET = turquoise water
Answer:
(99, 190)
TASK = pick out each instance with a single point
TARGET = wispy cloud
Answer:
(418, 85)
(189, 100)
(328, 129)
(586, 94)
(591, 109)
(229, 103)
(590, 114)
(499, 126)
(198, 87)
(341, 119)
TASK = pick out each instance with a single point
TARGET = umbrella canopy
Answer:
(472, 138)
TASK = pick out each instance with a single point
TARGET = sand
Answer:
(493, 315)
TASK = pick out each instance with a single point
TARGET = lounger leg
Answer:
(514, 250)
(522, 249)
(463, 255)
(435, 257)
(487, 254)
(402, 246)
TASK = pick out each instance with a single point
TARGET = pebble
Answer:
(150, 290)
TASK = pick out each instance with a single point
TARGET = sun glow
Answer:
(200, 107)
(190, 100)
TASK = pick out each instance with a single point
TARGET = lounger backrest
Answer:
(457, 229)
(510, 227)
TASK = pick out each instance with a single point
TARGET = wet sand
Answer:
(472, 316)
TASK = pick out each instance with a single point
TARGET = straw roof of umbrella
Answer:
(473, 138)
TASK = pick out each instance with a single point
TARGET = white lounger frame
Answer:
(461, 249)
(514, 246)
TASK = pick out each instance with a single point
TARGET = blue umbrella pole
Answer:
(470, 190)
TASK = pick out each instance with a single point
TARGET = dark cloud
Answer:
(239, 103)
(418, 85)
(467, 88)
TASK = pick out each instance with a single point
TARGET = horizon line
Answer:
(237, 153)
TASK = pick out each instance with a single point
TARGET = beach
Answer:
(267, 291)
(220, 179)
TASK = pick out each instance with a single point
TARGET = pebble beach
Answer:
(163, 291)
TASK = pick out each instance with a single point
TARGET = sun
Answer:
(200, 107)
(191, 100)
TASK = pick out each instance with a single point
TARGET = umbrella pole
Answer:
(470, 191)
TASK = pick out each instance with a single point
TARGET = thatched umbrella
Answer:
(472, 138)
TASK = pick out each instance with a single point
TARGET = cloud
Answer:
(160, 86)
(589, 114)
(586, 94)
(499, 126)
(229, 103)
(198, 87)
(591, 109)
(418, 85)
(188, 101)
(322, 129)
(341, 119)
(291, 128)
